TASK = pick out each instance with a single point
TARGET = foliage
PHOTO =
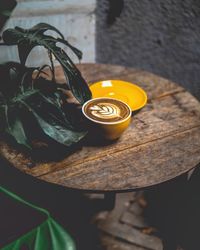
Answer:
(6, 8)
(27, 100)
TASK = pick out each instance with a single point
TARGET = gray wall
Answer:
(74, 18)
(160, 36)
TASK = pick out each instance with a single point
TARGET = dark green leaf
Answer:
(59, 133)
(41, 103)
(15, 77)
(6, 8)
(76, 51)
(28, 39)
(52, 125)
(3, 113)
(42, 27)
(16, 130)
(41, 100)
(15, 127)
(24, 50)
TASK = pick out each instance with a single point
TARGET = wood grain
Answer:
(162, 142)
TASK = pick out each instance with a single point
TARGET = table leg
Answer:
(165, 210)
(109, 200)
(169, 245)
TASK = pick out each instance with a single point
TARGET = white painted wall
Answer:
(74, 18)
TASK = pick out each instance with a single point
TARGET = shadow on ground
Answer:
(174, 209)
(71, 209)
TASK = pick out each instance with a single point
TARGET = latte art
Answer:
(105, 110)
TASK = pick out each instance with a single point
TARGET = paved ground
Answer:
(126, 228)
(165, 217)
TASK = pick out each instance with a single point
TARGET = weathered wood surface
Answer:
(162, 142)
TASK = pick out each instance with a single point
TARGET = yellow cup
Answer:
(110, 117)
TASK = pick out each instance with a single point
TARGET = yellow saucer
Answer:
(127, 92)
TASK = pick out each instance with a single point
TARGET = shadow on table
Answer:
(70, 208)
(45, 149)
(174, 209)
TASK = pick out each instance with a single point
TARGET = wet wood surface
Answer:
(162, 142)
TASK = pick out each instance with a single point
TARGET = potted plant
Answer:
(32, 105)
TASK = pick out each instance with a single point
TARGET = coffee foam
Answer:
(106, 110)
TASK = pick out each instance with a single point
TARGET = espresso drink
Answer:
(106, 110)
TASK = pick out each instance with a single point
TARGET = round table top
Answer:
(162, 142)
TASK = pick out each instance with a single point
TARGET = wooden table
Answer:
(162, 142)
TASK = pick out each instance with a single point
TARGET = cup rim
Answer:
(107, 123)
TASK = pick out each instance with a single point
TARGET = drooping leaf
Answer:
(27, 39)
(42, 27)
(45, 86)
(44, 105)
(59, 133)
(16, 130)
(76, 51)
(24, 97)
(15, 127)
(3, 113)
(24, 50)
(6, 8)
(14, 77)
(48, 107)
(52, 123)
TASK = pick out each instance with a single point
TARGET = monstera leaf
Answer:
(29, 103)
(15, 78)
(44, 107)
(6, 8)
(27, 39)
(53, 123)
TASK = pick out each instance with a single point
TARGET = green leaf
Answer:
(59, 133)
(51, 122)
(76, 51)
(15, 78)
(27, 39)
(15, 127)
(3, 113)
(6, 8)
(6, 13)
(16, 130)
(24, 50)
(42, 27)
(39, 103)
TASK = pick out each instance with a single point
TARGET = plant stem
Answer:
(52, 66)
